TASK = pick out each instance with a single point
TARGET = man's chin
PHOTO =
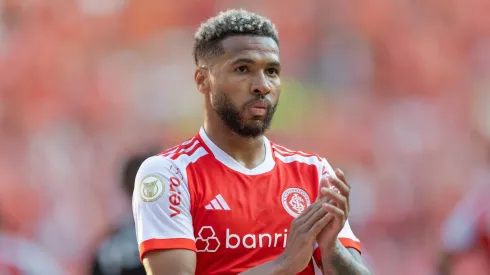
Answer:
(253, 129)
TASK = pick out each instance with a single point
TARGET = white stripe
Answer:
(188, 141)
(192, 158)
(209, 207)
(216, 205)
(313, 160)
(289, 151)
(196, 142)
(178, 147)
(222, 202)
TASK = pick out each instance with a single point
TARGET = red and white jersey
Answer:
(195, 196)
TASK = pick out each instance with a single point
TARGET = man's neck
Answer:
(249, 152)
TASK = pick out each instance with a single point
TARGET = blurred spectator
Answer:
(118, 253)
(466, 234)
(20, 256)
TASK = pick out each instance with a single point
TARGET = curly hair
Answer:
(207, 40)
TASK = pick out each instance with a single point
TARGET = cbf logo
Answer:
(295, 201)
(151, 188)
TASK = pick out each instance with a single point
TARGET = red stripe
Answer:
(290, 152)
(173, 148)
(182, 148)
(317, 256)
(179, 148)
(161, 244)
(216, 199)
(349, 243)
(191, 152)
(169, 151)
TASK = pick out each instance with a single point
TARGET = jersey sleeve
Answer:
(161, 207)
(346, 236)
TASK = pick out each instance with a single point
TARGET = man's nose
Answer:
(261, 85)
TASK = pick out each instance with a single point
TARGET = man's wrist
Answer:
(329, 251)
(282, 267)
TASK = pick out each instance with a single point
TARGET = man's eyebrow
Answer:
(243, 60)
(252, 62)
(274, 64)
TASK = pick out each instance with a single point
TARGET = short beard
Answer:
(233, 119)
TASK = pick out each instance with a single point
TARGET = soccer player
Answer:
(466, 233)
(228, 200)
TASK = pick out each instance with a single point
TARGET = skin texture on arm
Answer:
(170, 262)
(344, 261)
(183, 262)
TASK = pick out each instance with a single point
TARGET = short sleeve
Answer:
(346, 236)
(161, 207)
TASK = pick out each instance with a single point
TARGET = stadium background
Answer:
(393, 92)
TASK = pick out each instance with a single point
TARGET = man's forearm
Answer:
(342, 262)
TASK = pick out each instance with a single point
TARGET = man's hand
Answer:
(302, 236)
(337, 190)
(336, 259)
(300, 243)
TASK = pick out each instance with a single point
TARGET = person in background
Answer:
(466, 235)
(19, 255)
(118, 253)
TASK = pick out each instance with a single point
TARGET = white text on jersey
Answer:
(251, 241)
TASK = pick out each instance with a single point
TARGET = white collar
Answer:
(231, 163)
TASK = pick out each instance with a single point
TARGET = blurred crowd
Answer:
(396, 93)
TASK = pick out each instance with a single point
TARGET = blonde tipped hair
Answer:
(207, 39)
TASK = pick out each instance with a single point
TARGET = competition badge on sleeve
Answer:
(151, 188)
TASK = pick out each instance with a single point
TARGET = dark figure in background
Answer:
(118, 253)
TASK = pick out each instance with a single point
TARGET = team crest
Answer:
(151, 188)
(295, 201)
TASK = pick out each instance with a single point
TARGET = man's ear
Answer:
(201, 77)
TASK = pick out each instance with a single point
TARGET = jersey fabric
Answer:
(195, 196)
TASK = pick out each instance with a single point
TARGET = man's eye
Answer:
(242, 69)
(272, 71)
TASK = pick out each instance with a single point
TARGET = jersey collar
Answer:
(231, 163)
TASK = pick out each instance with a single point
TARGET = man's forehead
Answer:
(249, 44)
